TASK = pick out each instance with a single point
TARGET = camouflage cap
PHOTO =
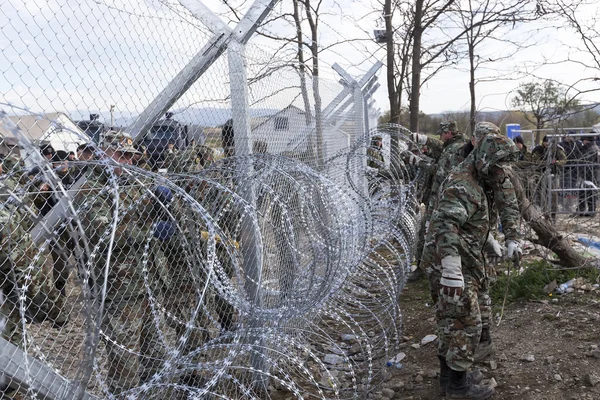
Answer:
(493, 149)
(447, 126)
(486, 128)
(120, 141)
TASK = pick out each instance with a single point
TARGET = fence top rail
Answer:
(553, 129)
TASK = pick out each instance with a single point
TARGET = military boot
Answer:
(485, 347)
(416, 275)
(459, 388)
(473, 377)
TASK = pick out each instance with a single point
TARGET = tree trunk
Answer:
(547, 235)
(416, 67)
(313, 22)
(391, 84)
(301, 63)
(472, 85)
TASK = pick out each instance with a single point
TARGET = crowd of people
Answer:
(562, 172)
(469, 192)
(470, 203)
(36, 274)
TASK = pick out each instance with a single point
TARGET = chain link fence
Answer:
(185, 215)
(561, 177)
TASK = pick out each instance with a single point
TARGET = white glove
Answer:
(419, 138)
(515, 252)
(412, 159)
(492, 249)
(452, 272)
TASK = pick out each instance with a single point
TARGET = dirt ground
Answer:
(562, 334)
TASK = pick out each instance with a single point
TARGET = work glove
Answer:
(419, 138)
(452, 282)
(163, 230)
(515, 252)
(492, 249)
(412, 160)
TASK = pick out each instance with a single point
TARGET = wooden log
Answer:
(548, 236)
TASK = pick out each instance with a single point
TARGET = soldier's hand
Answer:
(419, 138)
(514, 250)
(492, 249)
(452, 282)
(452, 292)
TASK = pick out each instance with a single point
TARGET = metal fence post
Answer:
(250, 245)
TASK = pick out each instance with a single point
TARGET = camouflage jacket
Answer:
(435, 147)
(96, 205)
(503, 203)
(375, 158)
(451, 156)
(459, 225)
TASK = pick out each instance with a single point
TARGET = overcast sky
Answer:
(85, 55)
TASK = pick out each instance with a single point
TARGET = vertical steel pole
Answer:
(250, 234)
(359, 134)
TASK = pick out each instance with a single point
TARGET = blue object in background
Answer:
(511, 130)
(163, 230)
(589, 242)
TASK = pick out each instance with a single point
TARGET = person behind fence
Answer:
(550, 158)
(449, 153)
(23, 266)
(128, 328)
(588, 180)
(573, 151)
(460, 225)
(523, 153)
(376, 162)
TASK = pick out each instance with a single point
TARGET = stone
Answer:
(388, 393)
(355, 349)
(596, 354)
(493, 365)
(428, 339)
(490, 382)
(549, 359)
(348, 337)
(333, 359)
(415, 346)
(569, 334)
(502, 357)
(592, 379)
(527, 357)
(557, 377)
(396, 386)
(419, 378)
(432, 374)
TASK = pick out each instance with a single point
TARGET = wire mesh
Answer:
(178, 266)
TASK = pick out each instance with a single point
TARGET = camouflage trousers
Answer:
(42, 300)
(134, 350)
(459, 324)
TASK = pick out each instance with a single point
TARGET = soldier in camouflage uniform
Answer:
(447, 152)
(459, 230)
(24, 266)
(133, 349)
(375, 160)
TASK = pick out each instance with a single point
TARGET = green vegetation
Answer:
(537, 274)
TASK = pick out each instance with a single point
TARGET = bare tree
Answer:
(542, 103)
(490, 21)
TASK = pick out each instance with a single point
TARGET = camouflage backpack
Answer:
(493, 149)
(486, 128)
